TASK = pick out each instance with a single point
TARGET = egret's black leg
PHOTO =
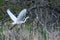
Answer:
(12, 27)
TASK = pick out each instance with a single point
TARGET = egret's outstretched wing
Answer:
(22, 14)
(11, 15)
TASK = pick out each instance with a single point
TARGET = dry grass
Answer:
(21, 33)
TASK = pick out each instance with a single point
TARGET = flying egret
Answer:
(20, 18)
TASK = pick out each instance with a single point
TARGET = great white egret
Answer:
(20, 18)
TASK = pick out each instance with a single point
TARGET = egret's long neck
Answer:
(26, 19)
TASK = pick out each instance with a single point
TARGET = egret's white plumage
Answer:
(20, 18)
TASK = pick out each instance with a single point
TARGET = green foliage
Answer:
(1, 30)
(1, 2)
(27, 26)
(1, 15)
(44, 34)
(55, 1)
